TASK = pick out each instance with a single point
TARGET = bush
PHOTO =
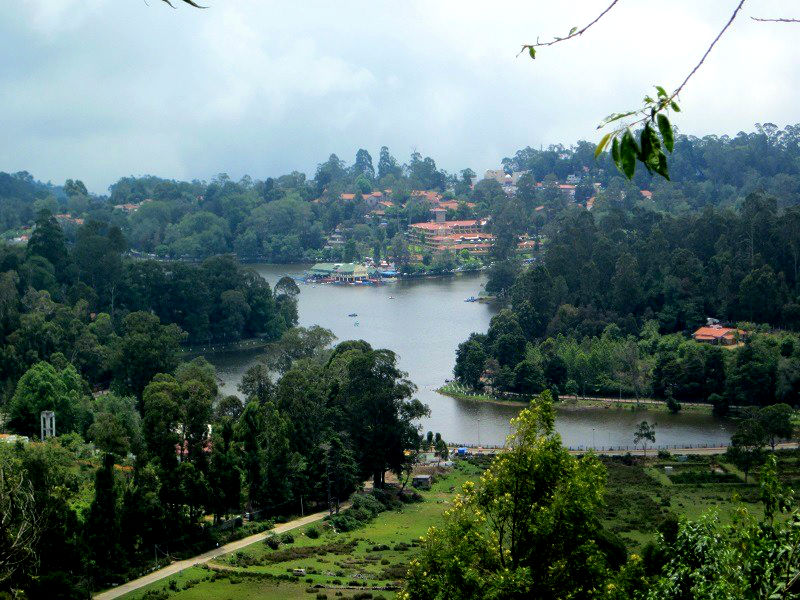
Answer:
(344, 522)
(312, 532)
(695, 477)
(273, 542)
(322, 596)
(287, 538)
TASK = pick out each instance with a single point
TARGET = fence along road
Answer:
(200, 559)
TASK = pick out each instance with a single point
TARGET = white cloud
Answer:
(98, 89)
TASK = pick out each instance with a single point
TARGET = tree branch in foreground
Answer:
(189, 2)
(573, 33)
(762, 20)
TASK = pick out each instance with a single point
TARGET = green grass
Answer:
(639, 496)
(375, 555)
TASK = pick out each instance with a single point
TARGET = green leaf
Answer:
(615, 154)
(662, 93)
(602, 145)
(645, 146)
(628, 150)
(675, 106)
(573, 30)
(648, 100)
(615, 117)
(532, 51)
(665, 128)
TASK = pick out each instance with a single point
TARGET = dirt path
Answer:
(178, 566)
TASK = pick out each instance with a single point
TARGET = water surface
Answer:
(423, 321)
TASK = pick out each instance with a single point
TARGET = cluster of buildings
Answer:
(439, 234)
(340, 273)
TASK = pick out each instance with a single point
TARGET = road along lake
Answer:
(423, 321)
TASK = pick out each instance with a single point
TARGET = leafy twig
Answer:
(574, 32)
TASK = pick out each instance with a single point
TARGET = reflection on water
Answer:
(423, 322)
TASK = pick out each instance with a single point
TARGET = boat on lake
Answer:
(353, 315)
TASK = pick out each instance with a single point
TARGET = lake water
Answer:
(423, 321)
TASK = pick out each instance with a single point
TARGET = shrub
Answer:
(273, 542)
(287, 538)
(368, 503)
(384, 561)
(321, 596)
(312, 532)
(695, 477)
(344, 522)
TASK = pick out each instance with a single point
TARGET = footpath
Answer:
(200, 559)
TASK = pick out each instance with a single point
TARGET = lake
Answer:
(423, 321)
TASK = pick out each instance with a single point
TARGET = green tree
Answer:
(103, 522)
(47, 241)
(777, 422)
(747, 445)
(43, 387)
(644, 433)
(144, 348)
(470, 363)
(341, 471)
(528, 529)
(379, 413)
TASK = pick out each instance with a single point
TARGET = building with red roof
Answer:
(717, 334)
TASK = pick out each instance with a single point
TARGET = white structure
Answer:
(48, 421)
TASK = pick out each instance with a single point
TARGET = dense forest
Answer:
(289, 218)
(609, 304)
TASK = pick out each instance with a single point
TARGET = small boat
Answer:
(471, 299)
(352, 315)
(355, 324)
(391, 297)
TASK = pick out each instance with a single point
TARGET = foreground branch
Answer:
(574, 32)
(762, 20)
(189, 2)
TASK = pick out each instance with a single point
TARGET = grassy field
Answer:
(639, 495)
(364, 560)
(361, 563)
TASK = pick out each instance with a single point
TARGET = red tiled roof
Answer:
(431, 226)
(647, 194)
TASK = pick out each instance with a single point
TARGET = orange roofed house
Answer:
(440, 235)
(717, 334)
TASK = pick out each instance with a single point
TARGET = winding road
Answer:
(200, 559)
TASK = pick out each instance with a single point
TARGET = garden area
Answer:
(360, 554)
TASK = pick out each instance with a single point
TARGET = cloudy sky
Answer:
(99, 89)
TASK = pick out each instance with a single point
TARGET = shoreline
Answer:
(576, 403)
